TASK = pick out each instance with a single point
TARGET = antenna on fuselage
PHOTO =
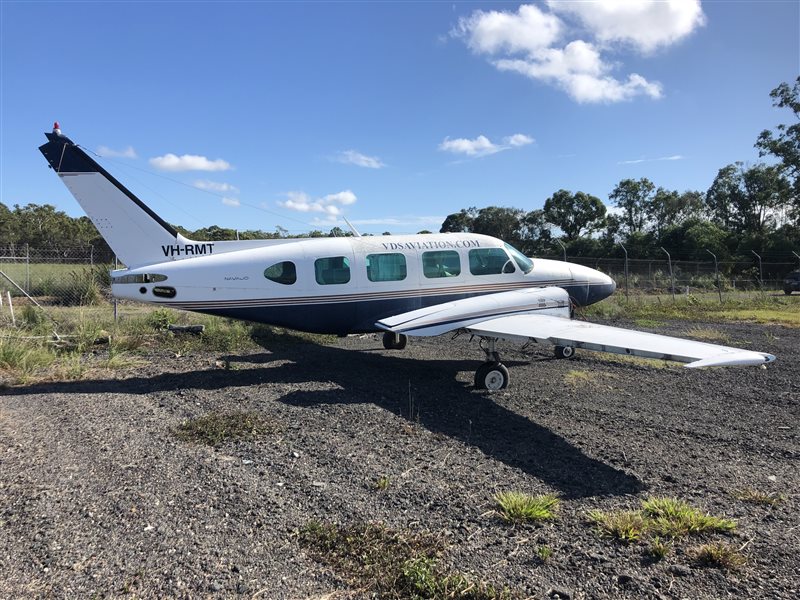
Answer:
(353, 229)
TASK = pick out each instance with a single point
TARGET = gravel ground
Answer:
(98, 498)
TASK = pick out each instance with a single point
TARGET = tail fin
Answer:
(135, 233)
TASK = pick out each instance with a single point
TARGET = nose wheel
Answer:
(394, 341)
(491, 375)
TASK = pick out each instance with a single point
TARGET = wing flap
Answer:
(604, 338)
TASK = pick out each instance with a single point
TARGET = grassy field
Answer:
(71, 342)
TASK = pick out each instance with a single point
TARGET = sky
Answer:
(259, 115)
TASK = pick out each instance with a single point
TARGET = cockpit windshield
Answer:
(524, 263)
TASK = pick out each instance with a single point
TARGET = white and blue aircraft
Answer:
(412, 285)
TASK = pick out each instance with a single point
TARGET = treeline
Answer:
(747, 209)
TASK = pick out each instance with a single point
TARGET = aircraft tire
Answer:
(564, 351)
(492, 376)
(392, 341)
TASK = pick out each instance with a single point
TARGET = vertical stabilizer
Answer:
(136, 234)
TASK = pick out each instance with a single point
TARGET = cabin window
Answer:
(489, 261)
(523, 262)
(442, 263)
(140, 278)
(283, 272)
(386, 267)
(332, 270)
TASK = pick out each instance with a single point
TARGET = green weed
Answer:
(624, 526)
(392, 564)
(676, 518)
(214, 429)
(516, 507)
(718, 555)
(754, 496)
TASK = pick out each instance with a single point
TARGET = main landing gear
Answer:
(394, 341)
(491, 375)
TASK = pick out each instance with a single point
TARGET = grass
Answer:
(31, 353)
(544, 553)
(669, 517)
(214, 429)
(625, 526)
(708, 334)
(676, 518)
(717, 555)
(659, 548)
(760, 308)
(754, 496)
(518, 508)
(587, 379)
(392, 564)
(382, 483)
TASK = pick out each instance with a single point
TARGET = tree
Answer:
(748, 200)
(460, 222)
(575, 213)
(500, 222)
(784, 144)
(669, 208)
(634, 198)
(535, 235)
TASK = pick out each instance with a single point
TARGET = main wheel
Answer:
(564, 351)
(394, 341)
(491, 376)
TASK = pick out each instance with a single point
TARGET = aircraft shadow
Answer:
(440, 404)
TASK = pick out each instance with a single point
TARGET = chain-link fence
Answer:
(79, 276)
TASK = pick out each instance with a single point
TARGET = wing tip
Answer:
(741, 359)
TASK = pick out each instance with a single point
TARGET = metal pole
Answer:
(716, 274)
(671, 278)
(626, 269)
(563, 248)
(27, 267)
(760, 271)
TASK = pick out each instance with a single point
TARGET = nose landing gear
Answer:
(394, 341)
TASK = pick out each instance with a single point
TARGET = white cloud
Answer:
(528, 42)
(483, 146)
(480, 146)
(646, 26)
(518, 139)
(527, 30)
(330, 204)
(636, 161)
(215, 186)
(231, 201)
(188, 162)
(128, 152)
(351, 157)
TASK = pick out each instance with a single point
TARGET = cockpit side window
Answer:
(490, 261)
(523, 262)
(284, 273)
(333, 270)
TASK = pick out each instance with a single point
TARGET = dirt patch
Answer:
(99, 497)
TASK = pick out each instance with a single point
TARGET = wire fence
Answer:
(79, 276)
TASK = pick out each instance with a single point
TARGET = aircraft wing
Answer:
(503, 316)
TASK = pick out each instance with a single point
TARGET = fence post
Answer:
(626, 269)
(91, 255)
(563, 248)
(27, 266)
(716, 274)
(760, 271)
(796, 254)
(671, 278)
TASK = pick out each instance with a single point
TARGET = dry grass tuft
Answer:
(518, 508)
